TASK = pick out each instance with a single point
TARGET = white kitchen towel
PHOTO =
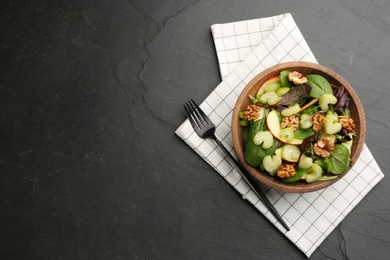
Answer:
(244, 49)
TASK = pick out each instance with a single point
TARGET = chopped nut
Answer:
(347, 123)
(286, 171)
(326, 143)
(317, 122)
(290, 121)
(324, 146)
(297, 78)
(252, 112)
(321, 151)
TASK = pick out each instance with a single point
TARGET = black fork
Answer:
(202, 124)
(205, 128)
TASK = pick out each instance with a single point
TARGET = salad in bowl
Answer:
(298, 127)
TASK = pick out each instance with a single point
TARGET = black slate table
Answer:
(91, 94)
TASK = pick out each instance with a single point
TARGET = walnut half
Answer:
(290, 121)
(252, 112)
(326, 143)
(323, 147)
(321, 151)
(317, 122)
(286, 171)
(347, 123)
(297, 78)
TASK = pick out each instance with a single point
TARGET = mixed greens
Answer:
(298, 128)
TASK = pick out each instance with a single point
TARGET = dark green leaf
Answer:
(319, 85)
(284, 82)
(303, 133)
(339, 158)
(254, 154)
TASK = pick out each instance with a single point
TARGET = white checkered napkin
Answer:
(245, 49)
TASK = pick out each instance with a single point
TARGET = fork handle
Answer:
(252, 184)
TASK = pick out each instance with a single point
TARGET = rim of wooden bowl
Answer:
(355, 107)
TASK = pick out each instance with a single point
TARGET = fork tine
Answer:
(191, 117)
(199, 112)
(188, 109)
(188, 112)
(202, 114)
(195, 112)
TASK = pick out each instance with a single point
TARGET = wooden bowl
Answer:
(355, 107)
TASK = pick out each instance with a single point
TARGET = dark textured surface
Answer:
(91, 93)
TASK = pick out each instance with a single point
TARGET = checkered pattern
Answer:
(245, 49)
